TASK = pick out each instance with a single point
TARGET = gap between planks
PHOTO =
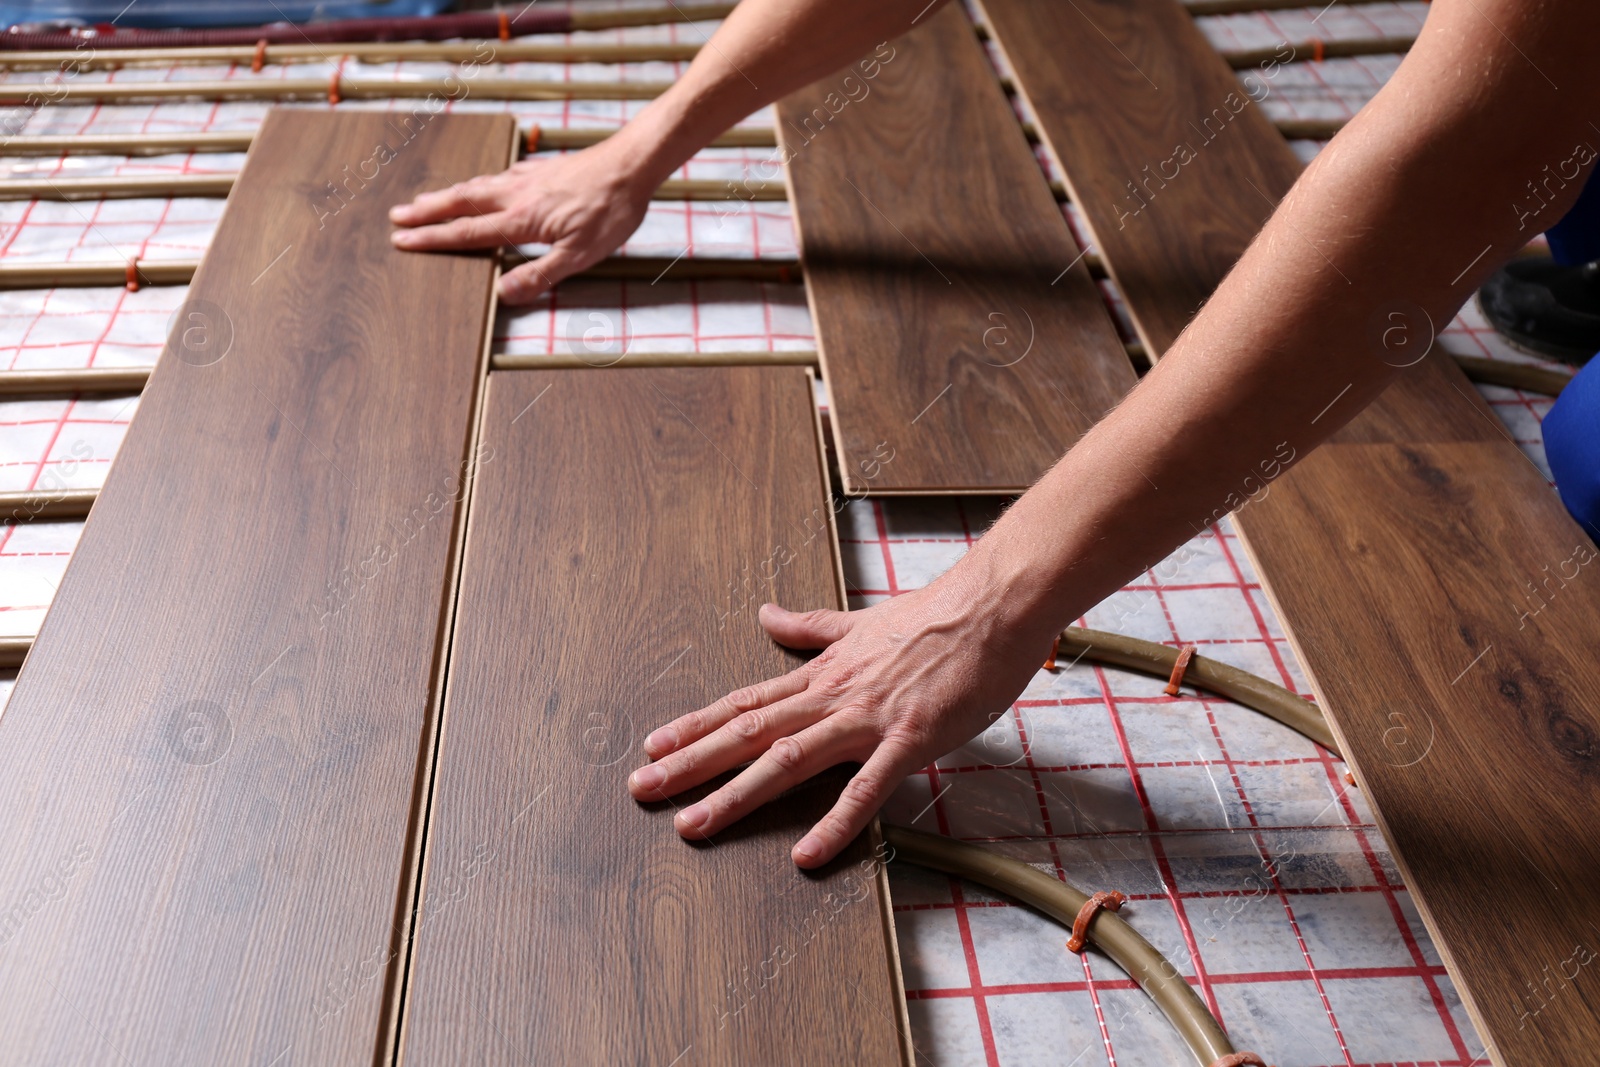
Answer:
(95, 381)
(214, 186)
(155, 144)
(616, 268)
(485, 51)
(413, 877)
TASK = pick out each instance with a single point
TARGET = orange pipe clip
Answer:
(505, 26)
(131, 275)
(1176, 681)
(533, 138)
(1318, 51)
(259, 60)
(1112, 901)
(1240, 1059)
(333, 88)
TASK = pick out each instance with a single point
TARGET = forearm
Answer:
(763, 51)
(1384, 235)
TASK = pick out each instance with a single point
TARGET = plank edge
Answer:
(409, 894)
(1440, 943)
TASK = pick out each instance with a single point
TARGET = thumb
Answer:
(526, 283)
(804, 629)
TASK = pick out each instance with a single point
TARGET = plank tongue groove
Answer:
(626, 526)
(209, 763)
(959, 331)
(1441, 598)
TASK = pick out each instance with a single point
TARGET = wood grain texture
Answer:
(209, 764)
(958, 326)
(1117, 111)
(1439, 595)
(626, 526)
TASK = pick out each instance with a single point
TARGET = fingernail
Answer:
(663, 739)
(400, 237)
(648, 777)
(809, 848)
(695, 815)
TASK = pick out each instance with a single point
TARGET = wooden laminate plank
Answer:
(209, 765)
(1432, 583)
(625, 527)
(959, 331)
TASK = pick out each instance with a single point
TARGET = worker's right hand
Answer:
(582, 205)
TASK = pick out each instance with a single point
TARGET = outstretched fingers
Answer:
(687, 729)
(786, 763)
(526, 283)
(475, 197)
(858, 803)
(741, 739)
(477, 231)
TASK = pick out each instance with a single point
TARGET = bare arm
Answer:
(1401, 201)
(586, 204)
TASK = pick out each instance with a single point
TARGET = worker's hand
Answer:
(897, 686)
(583, 205)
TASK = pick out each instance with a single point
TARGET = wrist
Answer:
(1020, 595)
(661, 139)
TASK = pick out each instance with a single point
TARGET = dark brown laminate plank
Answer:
(1400, 555)
(209, 765)
(625, 527)
(958, 327)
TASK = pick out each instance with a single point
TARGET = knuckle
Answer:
(680, 765)
(906, 734)
(725, 800)
(839, 680)
(860, 708)
(833, 828)
(822, 660)
(747, 699)
(676, 768)
(860, 791)
(749, 726)
(787, 753)
(522, 218)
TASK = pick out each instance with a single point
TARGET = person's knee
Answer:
(1572, 444)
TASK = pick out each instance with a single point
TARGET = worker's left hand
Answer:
(898, 685)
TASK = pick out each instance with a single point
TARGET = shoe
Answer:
(1545, 309)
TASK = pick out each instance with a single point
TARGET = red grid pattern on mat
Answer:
(106, 231)
(1336, 22)
(1215, 564)
(52, 444)
(34, 556)
(49, 445)
(109, 231)
(1334, 89)
(606, 319)
(58, 328)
